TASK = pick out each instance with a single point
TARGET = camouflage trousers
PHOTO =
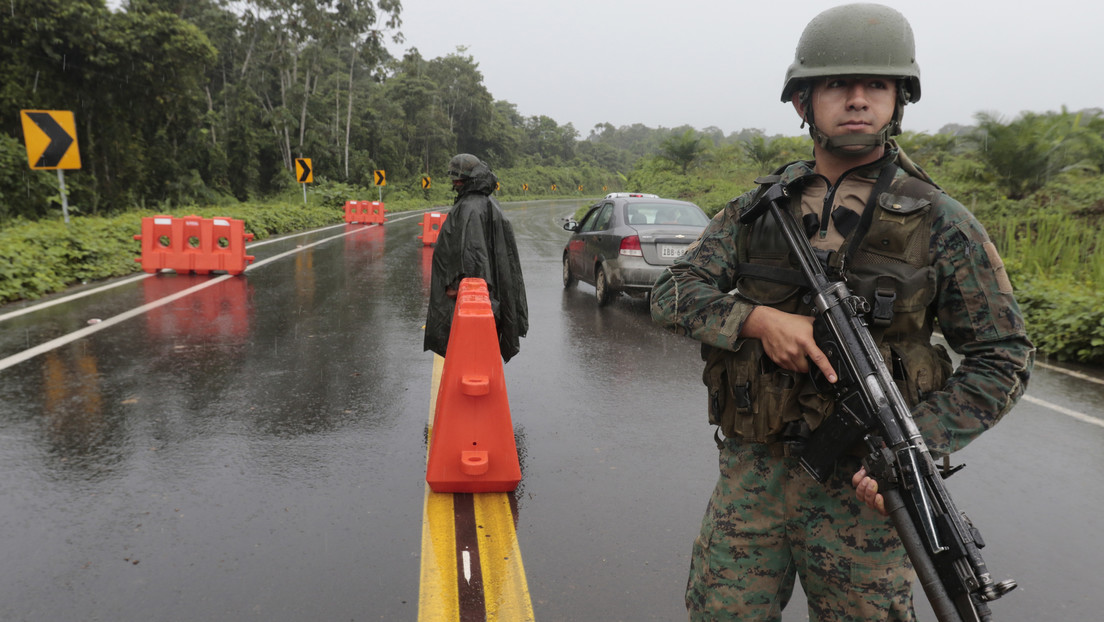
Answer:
(768, 522)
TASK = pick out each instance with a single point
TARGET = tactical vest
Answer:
(886, 260)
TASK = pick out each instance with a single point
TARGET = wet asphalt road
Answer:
(256, 450)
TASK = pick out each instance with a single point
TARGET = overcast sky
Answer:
(722, 63)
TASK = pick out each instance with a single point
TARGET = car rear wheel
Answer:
(601, 287)
(568, 278)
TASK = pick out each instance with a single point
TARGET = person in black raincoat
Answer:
(476, 240)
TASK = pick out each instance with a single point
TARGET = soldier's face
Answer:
(853, 104)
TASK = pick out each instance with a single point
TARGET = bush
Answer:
(335, 193)
(44, 257)
(710, 187)
(1065, 319)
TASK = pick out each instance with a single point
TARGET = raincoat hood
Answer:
(481, 181)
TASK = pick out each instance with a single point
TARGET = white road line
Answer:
(1069, 372)
(30, 353)
(292, 237)
(1080, 416)
(45, 305)
(88, 292)
(25, 355)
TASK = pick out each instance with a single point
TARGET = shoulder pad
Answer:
(768, 179)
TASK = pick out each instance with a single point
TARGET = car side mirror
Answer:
(571, 225)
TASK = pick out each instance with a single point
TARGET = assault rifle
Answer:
(942, 543)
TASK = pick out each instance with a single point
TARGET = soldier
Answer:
(917, 256)
(476, 240)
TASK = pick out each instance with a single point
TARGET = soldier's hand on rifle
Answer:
(866, 489)
(787, 339)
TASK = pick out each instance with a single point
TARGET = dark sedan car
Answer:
(625, 240)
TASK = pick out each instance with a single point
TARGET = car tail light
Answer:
(630, 245)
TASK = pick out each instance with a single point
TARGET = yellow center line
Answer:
(505, 589)
(438, 597)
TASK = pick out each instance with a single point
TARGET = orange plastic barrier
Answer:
(472, 447)
(431, 227)
(193, 244)
(375, 211)
(352, 212)
(366, 212)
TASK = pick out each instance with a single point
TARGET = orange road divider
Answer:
(193, 244)
(471, 566)
(431, 227)
(366, 212)
(473, 447)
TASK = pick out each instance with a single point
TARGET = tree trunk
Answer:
(303, 109)
(349, 113)
(211, 108)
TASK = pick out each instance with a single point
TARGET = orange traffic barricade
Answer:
(472, 446)
(352, 211)
(374, 212)
(431, 227)
(366, 212)
(193, 244)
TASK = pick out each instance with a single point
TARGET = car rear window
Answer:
(665, 214)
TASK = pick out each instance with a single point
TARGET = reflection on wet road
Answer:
(256, 448)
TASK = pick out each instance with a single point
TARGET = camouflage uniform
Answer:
(767, 520)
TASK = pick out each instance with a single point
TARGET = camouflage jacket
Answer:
(974, 305)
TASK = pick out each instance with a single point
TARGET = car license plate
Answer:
(671, 251)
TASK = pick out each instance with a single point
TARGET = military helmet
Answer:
(462, 165)
(856, 40)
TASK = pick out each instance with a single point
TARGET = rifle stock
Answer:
(942, 544)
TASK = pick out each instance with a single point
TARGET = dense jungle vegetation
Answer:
(201, 106)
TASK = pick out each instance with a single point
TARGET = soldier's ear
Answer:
(798, 105)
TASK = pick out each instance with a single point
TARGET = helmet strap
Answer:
(837, 145)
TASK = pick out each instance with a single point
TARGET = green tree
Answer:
(683, 149)
(544, 139)
(1028, 152)
(763, 152)
(24, 193)
(134, 80)
(423, 126)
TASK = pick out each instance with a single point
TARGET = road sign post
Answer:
(64, 196)
(51, 140)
